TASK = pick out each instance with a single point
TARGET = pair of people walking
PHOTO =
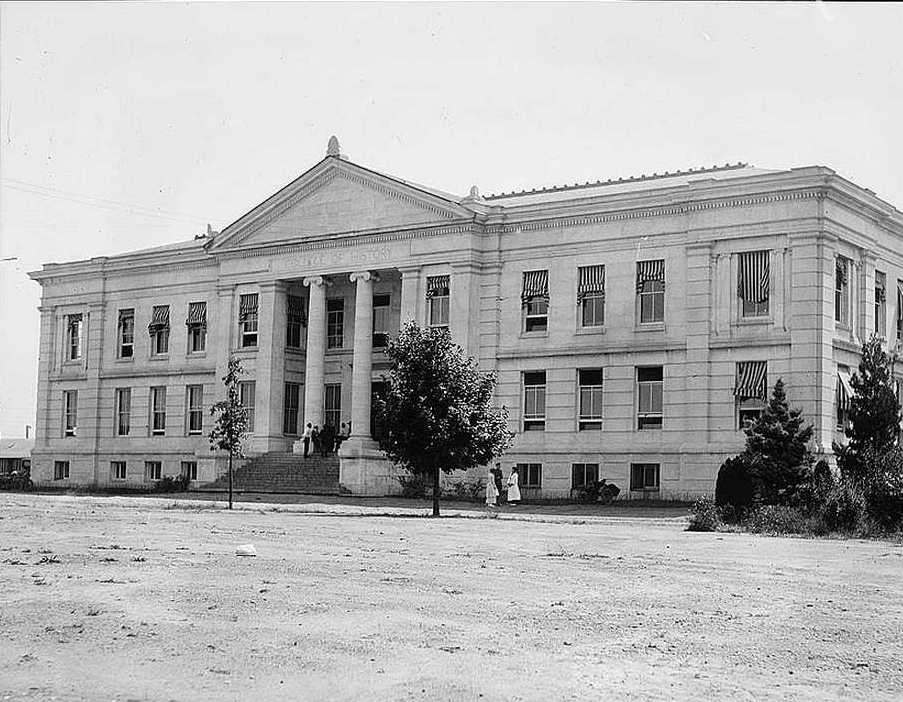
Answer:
(494, 487)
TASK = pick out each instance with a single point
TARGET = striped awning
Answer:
(536, 284)
(159, 318)
(197, 314)
(591, 280)
(753, 276)
(751, 380)
(247, 306)
(844, 389)
(74, 318)
(647, 271)
(437, 285)
(840, 268)
(295, 308)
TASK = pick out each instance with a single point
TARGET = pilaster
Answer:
(410, 295)
(270, 368)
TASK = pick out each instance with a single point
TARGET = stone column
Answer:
(410, 291)
(363, 469)
(270, 368)
(362, 363)
(464, 291)
(316, 351)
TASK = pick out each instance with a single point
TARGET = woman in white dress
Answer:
(513, 489)
(492, 492)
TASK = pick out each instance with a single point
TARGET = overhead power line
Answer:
(99, 202)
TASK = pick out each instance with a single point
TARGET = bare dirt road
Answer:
(131, 599)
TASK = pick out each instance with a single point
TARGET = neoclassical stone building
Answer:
(635, 324)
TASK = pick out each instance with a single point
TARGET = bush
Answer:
(168, 483)
(843, 508)
(778, 519)
(705, 515)
(734, 486)
(466, 491)
(413, 486)
(597, 491)
(882, 488)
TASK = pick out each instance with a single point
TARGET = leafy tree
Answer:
(776, 447)
(874, 413)
(231, 419)
(437, 408)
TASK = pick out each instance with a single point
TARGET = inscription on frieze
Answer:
(343, 258)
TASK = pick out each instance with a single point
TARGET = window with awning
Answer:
(900, 310)
(437, 286)
(751, 380)
(536, 286)
(843, 396)
(197, 314)
(649, 272)
(247, 307)
(753, 282)
(159, 319)
(591, 281)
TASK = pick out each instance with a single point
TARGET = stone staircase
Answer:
(284, 473)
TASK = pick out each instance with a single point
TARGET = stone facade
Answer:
(344, 237)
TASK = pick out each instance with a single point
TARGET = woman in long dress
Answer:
(492, 492)
(513, 489)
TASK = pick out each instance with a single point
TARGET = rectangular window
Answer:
(535, 301)
(333, 405)
(123, 411)
(590, 398)
(753, 282)
(153, 470)
(126, 334)
(591, 295)
(74, 328)
(650, 286)
(335, 323)
(159, 330)
(750, 391)
(437, 295)
(842, 290)
(194, 404)
(649, 397)
(380, 321)
(158, 410)
(117, 470)
(644, 476)
(880, 304)
(61, 470)
(190, 469)
(290, 409)
(584, 474)
(529, 475)
(197, 327)
(247, 391)
(534, 400)
(70, 412)
(247, 320)
(294, 320)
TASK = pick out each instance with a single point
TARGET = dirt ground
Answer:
(138, 599)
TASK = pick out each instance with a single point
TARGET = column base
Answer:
(364, 469)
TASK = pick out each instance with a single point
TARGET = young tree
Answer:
(874, 414)
(231, 419)
(776, 447)
(437, 408)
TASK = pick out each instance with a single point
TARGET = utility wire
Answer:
(102, 203)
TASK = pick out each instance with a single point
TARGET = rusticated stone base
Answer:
(364, 469)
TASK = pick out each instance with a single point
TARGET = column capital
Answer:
(317, 280)
(363, 276)
(409, 271)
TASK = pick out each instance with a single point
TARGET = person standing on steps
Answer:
(306, 438)
(327, 440)
(315, 438)
(513, 488)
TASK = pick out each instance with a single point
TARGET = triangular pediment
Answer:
(337, 197)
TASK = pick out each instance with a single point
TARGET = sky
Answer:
(126, 125)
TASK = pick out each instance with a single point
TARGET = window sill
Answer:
(72, 363)
(534, 334)
(158, 357)
(124, 359)
(196, 354)
(246, 350)
(650, 327)
(754, 321)
(591, 330)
